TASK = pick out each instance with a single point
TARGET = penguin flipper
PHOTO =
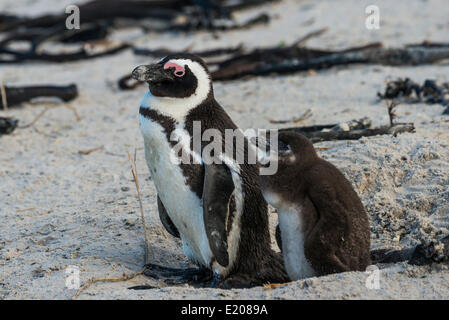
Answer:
(217, 192)
(278, 237)
(165, 219)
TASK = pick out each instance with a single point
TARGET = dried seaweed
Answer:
(408, 91)
(82, 54)
(293, 59)
(127, 83)
(199, 23)
(425, 253)
(245, 4)
(99, 16)
(204, 53)
(430, 44)
(296, 58)
(8, 125)
(103, 10)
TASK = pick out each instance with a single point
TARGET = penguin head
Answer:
(295, 153)
(292, 143)
(179, 78)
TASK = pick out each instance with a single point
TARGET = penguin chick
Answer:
(323, 226)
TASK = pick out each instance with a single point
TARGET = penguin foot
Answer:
(192, 276)
(240, 281)
(216, 280)
(177, 275)
(157, 271)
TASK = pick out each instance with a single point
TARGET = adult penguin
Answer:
(216, 208)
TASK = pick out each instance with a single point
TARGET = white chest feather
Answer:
(183, 206)
(292, 236)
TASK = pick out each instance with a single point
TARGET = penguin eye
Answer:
(179, 73)
(283, 147)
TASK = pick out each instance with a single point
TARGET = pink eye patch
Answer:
(179, 71)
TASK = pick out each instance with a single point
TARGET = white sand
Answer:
(59, 208)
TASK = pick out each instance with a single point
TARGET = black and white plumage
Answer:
(217, 210)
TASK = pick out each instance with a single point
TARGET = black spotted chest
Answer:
(192, 172)
(175, 185)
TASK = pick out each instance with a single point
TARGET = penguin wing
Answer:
(217, 192)
(278, 237)
(165, 219)
(324, 198)
(332, 213)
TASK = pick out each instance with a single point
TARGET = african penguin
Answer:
(217, 210)
(323, 226)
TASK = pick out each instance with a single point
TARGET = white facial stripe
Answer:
(178, 108)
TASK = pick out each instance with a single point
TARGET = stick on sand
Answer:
(3, 94)
(132, 163)
(125, 277)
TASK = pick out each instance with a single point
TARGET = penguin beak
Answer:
(152, 73)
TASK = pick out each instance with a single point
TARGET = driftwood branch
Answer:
(81, 54)
(149, 254)
(351, 130)
(300, 42)
(296, 58)
(16, 95)
(124, 277)
(354, 134)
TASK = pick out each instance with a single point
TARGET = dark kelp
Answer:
(262, 62)
(297, 58)
(408, 91)
(435, 251)
(100, 16)
(8, 125)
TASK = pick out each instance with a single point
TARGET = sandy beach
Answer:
(60, 208)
